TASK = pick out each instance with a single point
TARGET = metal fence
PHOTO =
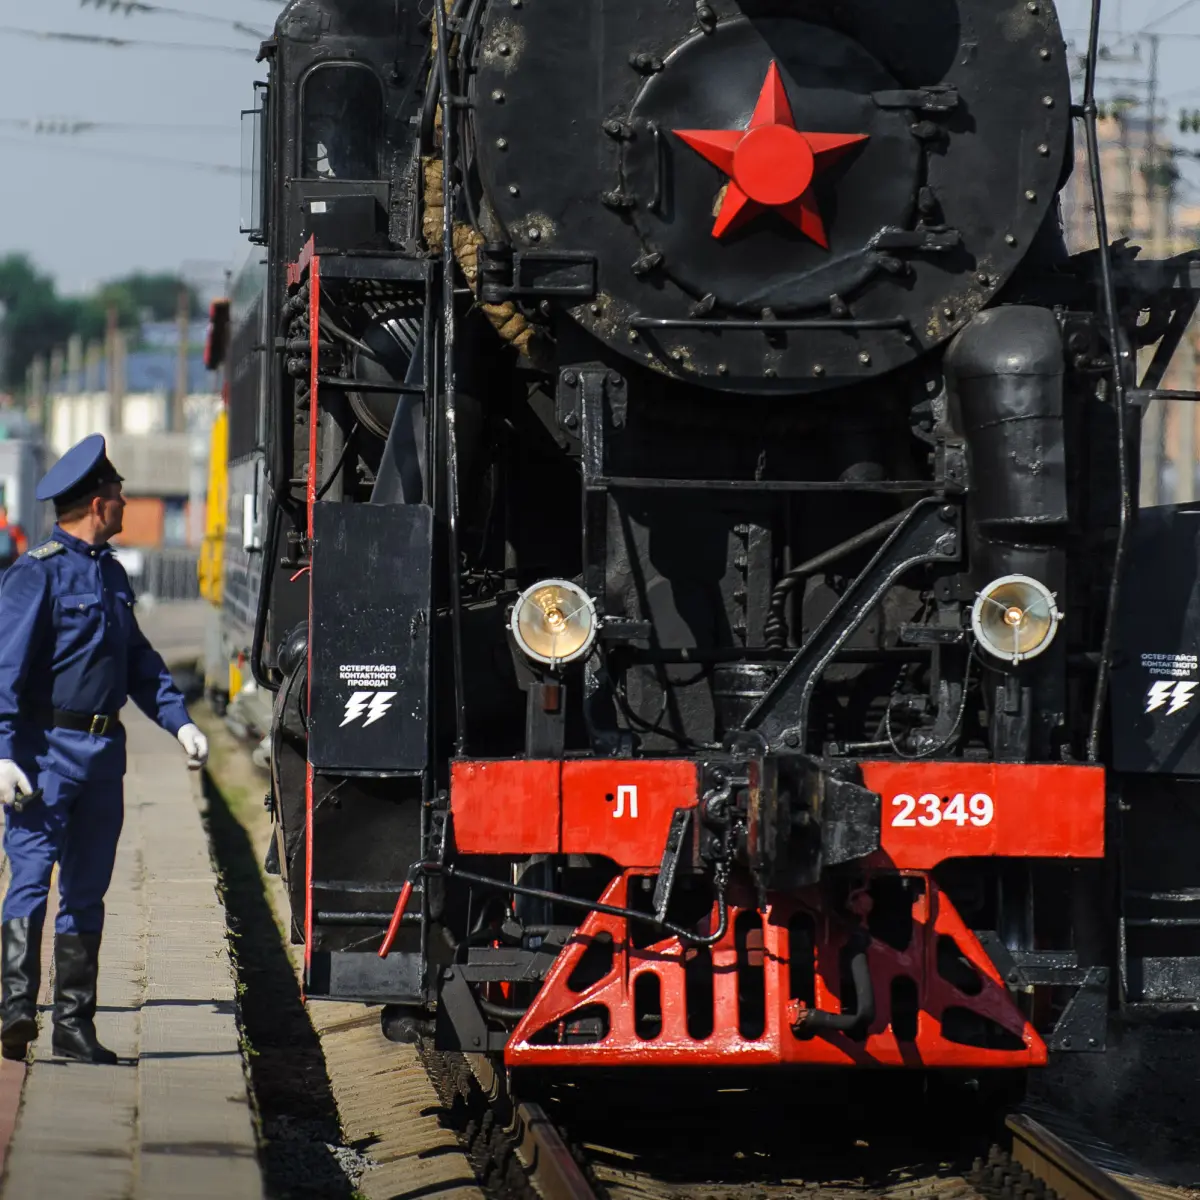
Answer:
(165, 574)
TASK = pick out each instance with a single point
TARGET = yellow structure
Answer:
(212, 552)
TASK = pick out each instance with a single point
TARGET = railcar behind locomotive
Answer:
(699, 487)
(230, 569)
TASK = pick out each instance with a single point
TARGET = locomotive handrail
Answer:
(816, 323)
(449, 377)
(1143, 396)
(1108, 287)
(887, 487)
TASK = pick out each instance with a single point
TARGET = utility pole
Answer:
(1158, 191)
(75, 365)
(93, 357)
(183, 320)
(111, 354)
(1125, 212)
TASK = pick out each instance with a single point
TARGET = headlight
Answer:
(554, 622)
(1015, 617)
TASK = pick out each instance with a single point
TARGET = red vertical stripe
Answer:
(314, 330)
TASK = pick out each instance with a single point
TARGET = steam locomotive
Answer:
(707, 614)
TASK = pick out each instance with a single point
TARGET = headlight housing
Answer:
(1015, 618)
(554, 622)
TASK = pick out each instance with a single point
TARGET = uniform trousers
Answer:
(76, 825)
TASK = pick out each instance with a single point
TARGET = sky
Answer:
(86, 212)
(83, 210)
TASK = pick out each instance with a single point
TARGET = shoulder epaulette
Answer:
(47, 550)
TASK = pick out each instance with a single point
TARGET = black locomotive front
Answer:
(697, 491)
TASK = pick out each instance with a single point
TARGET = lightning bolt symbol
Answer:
(356, 706)
(1182, 697)
(379, 706)
(1160, 693)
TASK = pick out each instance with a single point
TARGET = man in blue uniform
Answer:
(71, 654)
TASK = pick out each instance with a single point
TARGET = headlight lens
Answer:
(1015, 618)
(554, 622)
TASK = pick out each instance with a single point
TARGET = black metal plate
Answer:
(371, 596)
(1156, 673)
(365, 977)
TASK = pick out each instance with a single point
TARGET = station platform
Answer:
(173, 1118)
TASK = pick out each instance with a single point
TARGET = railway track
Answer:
(412, 1110)
(519, 1151)
(1040, 1164)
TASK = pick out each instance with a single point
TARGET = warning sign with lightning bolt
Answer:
(372, 705)
(1167, 691)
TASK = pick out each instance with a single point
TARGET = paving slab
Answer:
(173, 1119)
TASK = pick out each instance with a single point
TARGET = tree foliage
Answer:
(37, 320)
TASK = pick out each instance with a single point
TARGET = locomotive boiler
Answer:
(699, 508)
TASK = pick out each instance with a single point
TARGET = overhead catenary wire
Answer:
(152, 160)
(130, 8)
(115, 43)
(1167, 16)
(1132, 35)
(72, 126)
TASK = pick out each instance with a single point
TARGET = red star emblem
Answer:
(770, 163)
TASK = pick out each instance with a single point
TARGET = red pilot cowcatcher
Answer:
(770, 163)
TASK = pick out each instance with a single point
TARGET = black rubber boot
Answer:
(76, 967)
(20, 979)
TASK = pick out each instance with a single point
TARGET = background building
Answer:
(155, 406)
(1149, 202)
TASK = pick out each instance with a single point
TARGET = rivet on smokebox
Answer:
(865, 359)
(498, 96)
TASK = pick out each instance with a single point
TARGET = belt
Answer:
(98, 724)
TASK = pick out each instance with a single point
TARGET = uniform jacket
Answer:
(69, 640)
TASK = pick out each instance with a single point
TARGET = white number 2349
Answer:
(931, 810)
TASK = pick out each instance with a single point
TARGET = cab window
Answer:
(341, 118)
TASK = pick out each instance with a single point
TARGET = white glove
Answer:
(13, 782)
(194, 743)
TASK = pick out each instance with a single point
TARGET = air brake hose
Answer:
(816, 1020)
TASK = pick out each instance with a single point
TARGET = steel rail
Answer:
(1059, 1166)
(553, 1171)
